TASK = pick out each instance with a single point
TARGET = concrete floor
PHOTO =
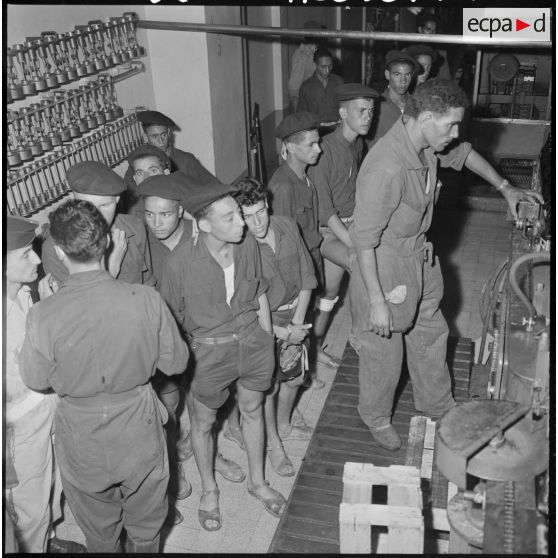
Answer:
(470, 245)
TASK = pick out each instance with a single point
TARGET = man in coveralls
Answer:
(158, 131)
(214, 285)
(33, 487)
(97, 342)
(128, 258)
(166, 229)
(287, 266)
(334, 176)
(401, 284)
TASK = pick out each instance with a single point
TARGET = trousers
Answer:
(381, 358)
(37, 496)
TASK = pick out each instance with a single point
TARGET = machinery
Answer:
(495, 447)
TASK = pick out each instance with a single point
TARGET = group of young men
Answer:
(219, 281)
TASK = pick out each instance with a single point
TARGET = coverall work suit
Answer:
(395, 199)
(97, 342)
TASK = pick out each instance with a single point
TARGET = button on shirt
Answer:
(314, 97)
(136, 265)
(97, 335)
(393, 206)
(334, 176)
(193, 284)
(296, 198)
(288, 269)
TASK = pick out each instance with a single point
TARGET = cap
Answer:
(350, 91)
(197, 196)
(19, 232)
(297, 122)
(154, 118)
(92, 177)
(400, 56)
(417, 50)
(147, 149)
(168, 186)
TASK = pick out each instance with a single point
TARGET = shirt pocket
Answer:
(407, 220)
(305, 217)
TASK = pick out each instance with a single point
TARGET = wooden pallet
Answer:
(310, 523)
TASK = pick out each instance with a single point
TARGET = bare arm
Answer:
(480, 166)
(299, 330)
(264, 314)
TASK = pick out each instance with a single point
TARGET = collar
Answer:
(22, 299)
(291, 174)
(386, 97)
(87, 278)
(200, 251)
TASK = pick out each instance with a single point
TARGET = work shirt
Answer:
(393, 203)
(334, 176)
(19, 398)
(314, 97)
(136, 264)
(387, 114)
(288, 269)
(193, 284)
(302, 67)
(160, 252)
(296, 198)
(97, 335)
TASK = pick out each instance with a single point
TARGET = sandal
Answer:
(228, 469)
(174, 517)
(184, 488)
(328, 360)
(297, 419)
(237, 440)
(274, 505)
(285, 467)
(212, 515)
(297, 433)
(184, 449)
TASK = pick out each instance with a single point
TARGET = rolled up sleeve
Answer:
(321, 178)
(35, 366)
(456, 156)
(173, 352)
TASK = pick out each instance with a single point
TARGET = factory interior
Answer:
(477, 479)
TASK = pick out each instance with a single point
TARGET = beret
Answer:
(92, 177)
(154, 118)
(350, 91)
(19, 232)
(400, 56)
(297, 122)
(198, 196)
(168, 186)
(147, 149)
(417, 50)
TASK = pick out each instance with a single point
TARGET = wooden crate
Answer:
(402, 515)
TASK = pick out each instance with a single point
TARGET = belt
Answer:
(289, 306)
(216, 340)
(426, 249)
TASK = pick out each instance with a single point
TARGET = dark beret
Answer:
(417, 50)
(400, 56)
(350, 91)
(297, 122)
(168, 186)
(19, 232)
(154, 118)
(92, 177)
(148, 149)
(198, 196)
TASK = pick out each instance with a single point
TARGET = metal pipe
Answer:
(246, 84)
(333, 34)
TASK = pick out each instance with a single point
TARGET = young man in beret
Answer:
(128, 258)
(110, 443)
(158, 131)
(143, 162)
(334, 176)
(166, 230)
(33, 487)
(399, 72)
(316, 94)
(287, 266)
(398, 282)
(214, 285)
(292, 192)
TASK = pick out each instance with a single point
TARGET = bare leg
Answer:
(275, 450)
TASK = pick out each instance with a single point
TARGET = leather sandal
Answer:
(328, 360)
(228, 469)
(233, 438)
(184, 449)
(274, 505)
(212, 515)
(297, 433)
(285, 467)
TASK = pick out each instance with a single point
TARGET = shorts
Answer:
(249, 359)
